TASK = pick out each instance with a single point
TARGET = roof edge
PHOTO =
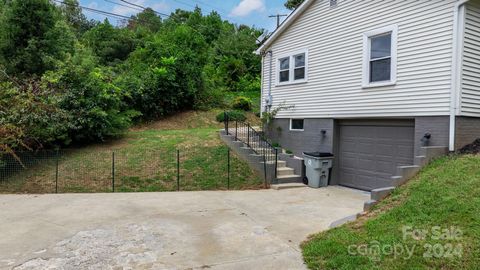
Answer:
(290, 19)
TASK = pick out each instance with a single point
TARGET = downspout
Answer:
(262, 85)
(455, 88)
(269, 101)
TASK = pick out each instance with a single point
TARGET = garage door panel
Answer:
(386, 167)
(405, 152)
(369, 154)
(364, 148)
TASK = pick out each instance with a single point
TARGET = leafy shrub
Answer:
(242, 103)
(30, 116)
(165, 76)
(95, 105)
(232, 116)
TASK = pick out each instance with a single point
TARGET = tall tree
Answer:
(74, 16)
(147, 19)
(293, 4)
(32, 38)
(111, 44)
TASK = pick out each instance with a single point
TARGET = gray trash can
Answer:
(318, 165)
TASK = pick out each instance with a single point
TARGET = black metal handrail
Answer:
(255, 140)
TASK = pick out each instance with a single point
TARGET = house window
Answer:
(284, 69)
(292, 68)
(296, 124)
(333, 3)
(299, 70)
(380, 57)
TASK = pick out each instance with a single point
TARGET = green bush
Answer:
(232, 116)
(242, 103)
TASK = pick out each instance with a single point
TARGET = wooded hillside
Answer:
(65, 79)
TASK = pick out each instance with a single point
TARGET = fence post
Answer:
(113, 171)
(236, 130)
(225, 119)
(248, 134)
(228, 169)
(178, 170)
(276, 161)
(56, 171)
(265, 169)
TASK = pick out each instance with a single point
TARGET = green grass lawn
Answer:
(145, 160)
(445, 195)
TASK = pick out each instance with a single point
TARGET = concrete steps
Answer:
(405, 173)
(285, 171)
(253, 153)
(287, 186)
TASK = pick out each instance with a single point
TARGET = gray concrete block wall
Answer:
(309, 140)
(437, 126)
(467, 131)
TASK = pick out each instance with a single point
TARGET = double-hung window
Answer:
(380, 57)
(292, 68)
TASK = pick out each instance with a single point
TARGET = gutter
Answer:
(457, 41)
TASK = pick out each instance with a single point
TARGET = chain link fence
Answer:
(77, 171)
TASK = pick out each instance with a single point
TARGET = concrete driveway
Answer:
(188, 230)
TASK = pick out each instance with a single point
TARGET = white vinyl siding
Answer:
(470, 96)
(334, 38)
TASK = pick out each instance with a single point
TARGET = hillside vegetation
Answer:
(145, 160)
(432, 222)
(68, 80)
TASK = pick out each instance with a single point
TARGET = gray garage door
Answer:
(369, 152)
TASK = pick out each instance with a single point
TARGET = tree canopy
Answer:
(65, 79)
(293, 4)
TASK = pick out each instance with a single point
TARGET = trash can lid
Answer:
(318, 154)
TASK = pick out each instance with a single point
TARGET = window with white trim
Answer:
(284, 75)
(296, 124)
(292, 68)
(380, 57)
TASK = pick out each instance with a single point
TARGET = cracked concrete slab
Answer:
(185, 230)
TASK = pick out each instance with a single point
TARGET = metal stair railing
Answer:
(255, 140)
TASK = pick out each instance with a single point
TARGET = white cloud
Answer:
(245, 7)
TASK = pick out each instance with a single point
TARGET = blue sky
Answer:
(250, 12)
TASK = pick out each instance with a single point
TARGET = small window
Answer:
(285, 69)
(380, 57)
(299, 71)
(293, 68)
(333, 3)
(296, 124)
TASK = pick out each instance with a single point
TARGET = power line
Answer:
(144, 8)
(184, 3)
(209, 5)
(105, 13)
(201, 3)
(120, 4)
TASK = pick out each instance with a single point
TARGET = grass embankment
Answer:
(145, 160)
(444, 196)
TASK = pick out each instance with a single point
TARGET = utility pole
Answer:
(278, 16)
